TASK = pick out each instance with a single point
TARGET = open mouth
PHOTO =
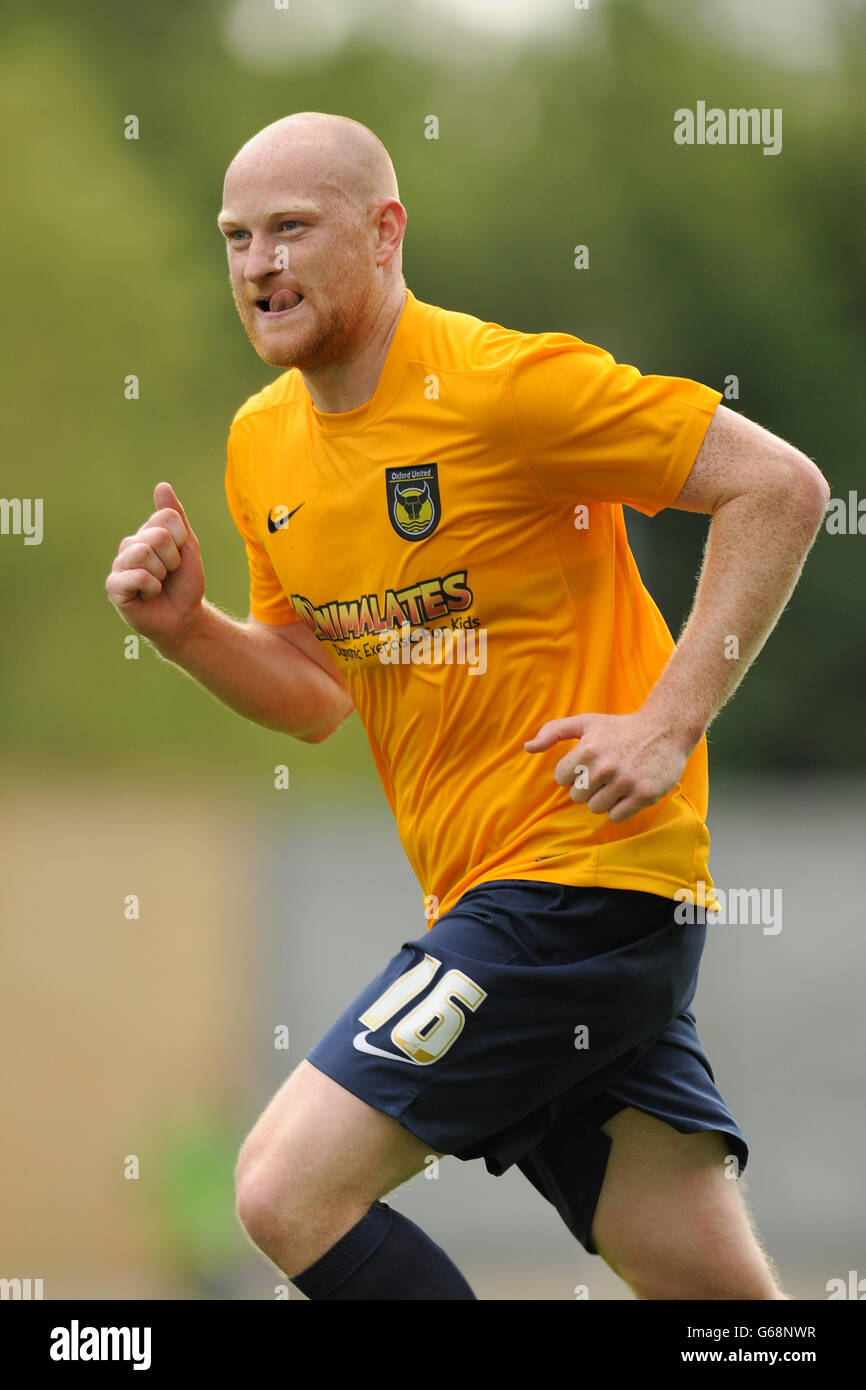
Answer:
(281, 302)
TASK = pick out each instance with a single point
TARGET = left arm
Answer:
(767, 501)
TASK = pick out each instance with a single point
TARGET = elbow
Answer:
(324, 730)
(817, 486)
(319, 736)
(806, 482)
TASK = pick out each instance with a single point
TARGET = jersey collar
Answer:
(390, 379)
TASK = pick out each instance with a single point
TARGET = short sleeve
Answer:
(595, 430)
(268, 601)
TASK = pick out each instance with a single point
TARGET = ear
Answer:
(390, 225)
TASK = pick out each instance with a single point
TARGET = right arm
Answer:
(276, 676)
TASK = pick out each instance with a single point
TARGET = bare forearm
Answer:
(755, 551)
(259, 676)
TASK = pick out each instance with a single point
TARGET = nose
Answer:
(259, 260)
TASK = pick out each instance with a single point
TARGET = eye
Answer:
(289, 222)
(235, 234)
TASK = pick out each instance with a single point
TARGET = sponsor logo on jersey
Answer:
(433, 598)
(279, 517)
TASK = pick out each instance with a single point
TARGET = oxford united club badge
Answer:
(414, 507)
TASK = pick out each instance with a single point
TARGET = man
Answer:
(417, 471)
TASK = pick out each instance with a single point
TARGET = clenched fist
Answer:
(622, 763)
(157, 579)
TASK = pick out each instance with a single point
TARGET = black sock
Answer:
(384, 1256)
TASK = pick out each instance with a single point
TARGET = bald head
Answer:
(342, 156)
(314, 228)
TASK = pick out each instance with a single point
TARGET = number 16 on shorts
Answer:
(427, 1032)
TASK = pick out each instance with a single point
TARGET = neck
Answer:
(351, 381)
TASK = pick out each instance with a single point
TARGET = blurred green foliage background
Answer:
(703, 262)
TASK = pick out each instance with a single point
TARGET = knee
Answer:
(263, 1206)
(290, 1212)
(700, 1272)
(254, 1154)
(718, 1290)
(269, 1187)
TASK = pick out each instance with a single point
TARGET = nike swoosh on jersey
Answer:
(283, 522)
(360, 1043)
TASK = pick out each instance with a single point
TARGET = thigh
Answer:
(670, 1218)
(318, 1138)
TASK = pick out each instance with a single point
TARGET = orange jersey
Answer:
(458, 546)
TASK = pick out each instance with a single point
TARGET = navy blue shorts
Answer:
(528, 1016)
